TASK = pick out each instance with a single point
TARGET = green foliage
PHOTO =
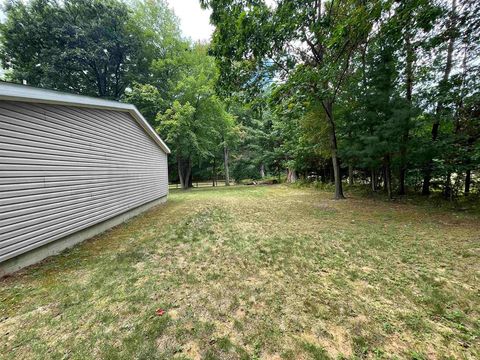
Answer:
(197, 125)
(158, 27)
(376, 91)
(384, 68)
(180, 129)
(147, 99)
(85, 46)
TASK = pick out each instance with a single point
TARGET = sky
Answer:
(194, 21)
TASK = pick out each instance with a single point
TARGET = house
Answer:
(71, 167)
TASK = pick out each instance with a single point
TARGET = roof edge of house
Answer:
(24, 93)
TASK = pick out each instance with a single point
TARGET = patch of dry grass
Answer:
(256, 273)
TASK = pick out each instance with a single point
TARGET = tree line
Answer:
(379, 92)
(386, 92)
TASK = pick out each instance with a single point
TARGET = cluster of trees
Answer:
(384, 92)
(131, 51)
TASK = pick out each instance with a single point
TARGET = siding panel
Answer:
(65, 168)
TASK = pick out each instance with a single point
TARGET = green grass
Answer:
(266, 272)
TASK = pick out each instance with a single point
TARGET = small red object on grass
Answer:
(160, 312)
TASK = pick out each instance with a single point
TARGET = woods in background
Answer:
(384, 93)
(130, 51)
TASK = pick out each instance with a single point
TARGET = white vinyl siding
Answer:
(65, 168)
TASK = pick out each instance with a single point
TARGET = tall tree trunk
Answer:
(406, 130)
(373, 179)
(291, 176)
(468, 181)
(401, 179)
(188, 174)
(328, 106)
(190, 177)
(180, 173)
(262, 171)
(225, 164)
(439, 110)
(447, 193)
(387, 176)
(427, 178)
(214, 173)
(184, 172)
(350, 174)
(331, 172)
(323, 174)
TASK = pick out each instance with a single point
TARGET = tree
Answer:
(229, 133)
(413, 22)
(309, 43)
(163, 48)
(81, 46)
(148, 100)
(197, 122)
(443, 89)
(251, 149)
(158, 26)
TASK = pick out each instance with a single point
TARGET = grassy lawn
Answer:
(267, 272)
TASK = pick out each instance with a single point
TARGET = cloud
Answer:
(194, 21)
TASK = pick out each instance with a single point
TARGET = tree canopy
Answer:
(85, 46)
(374, 90)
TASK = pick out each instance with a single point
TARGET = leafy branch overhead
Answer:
(378, 76)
